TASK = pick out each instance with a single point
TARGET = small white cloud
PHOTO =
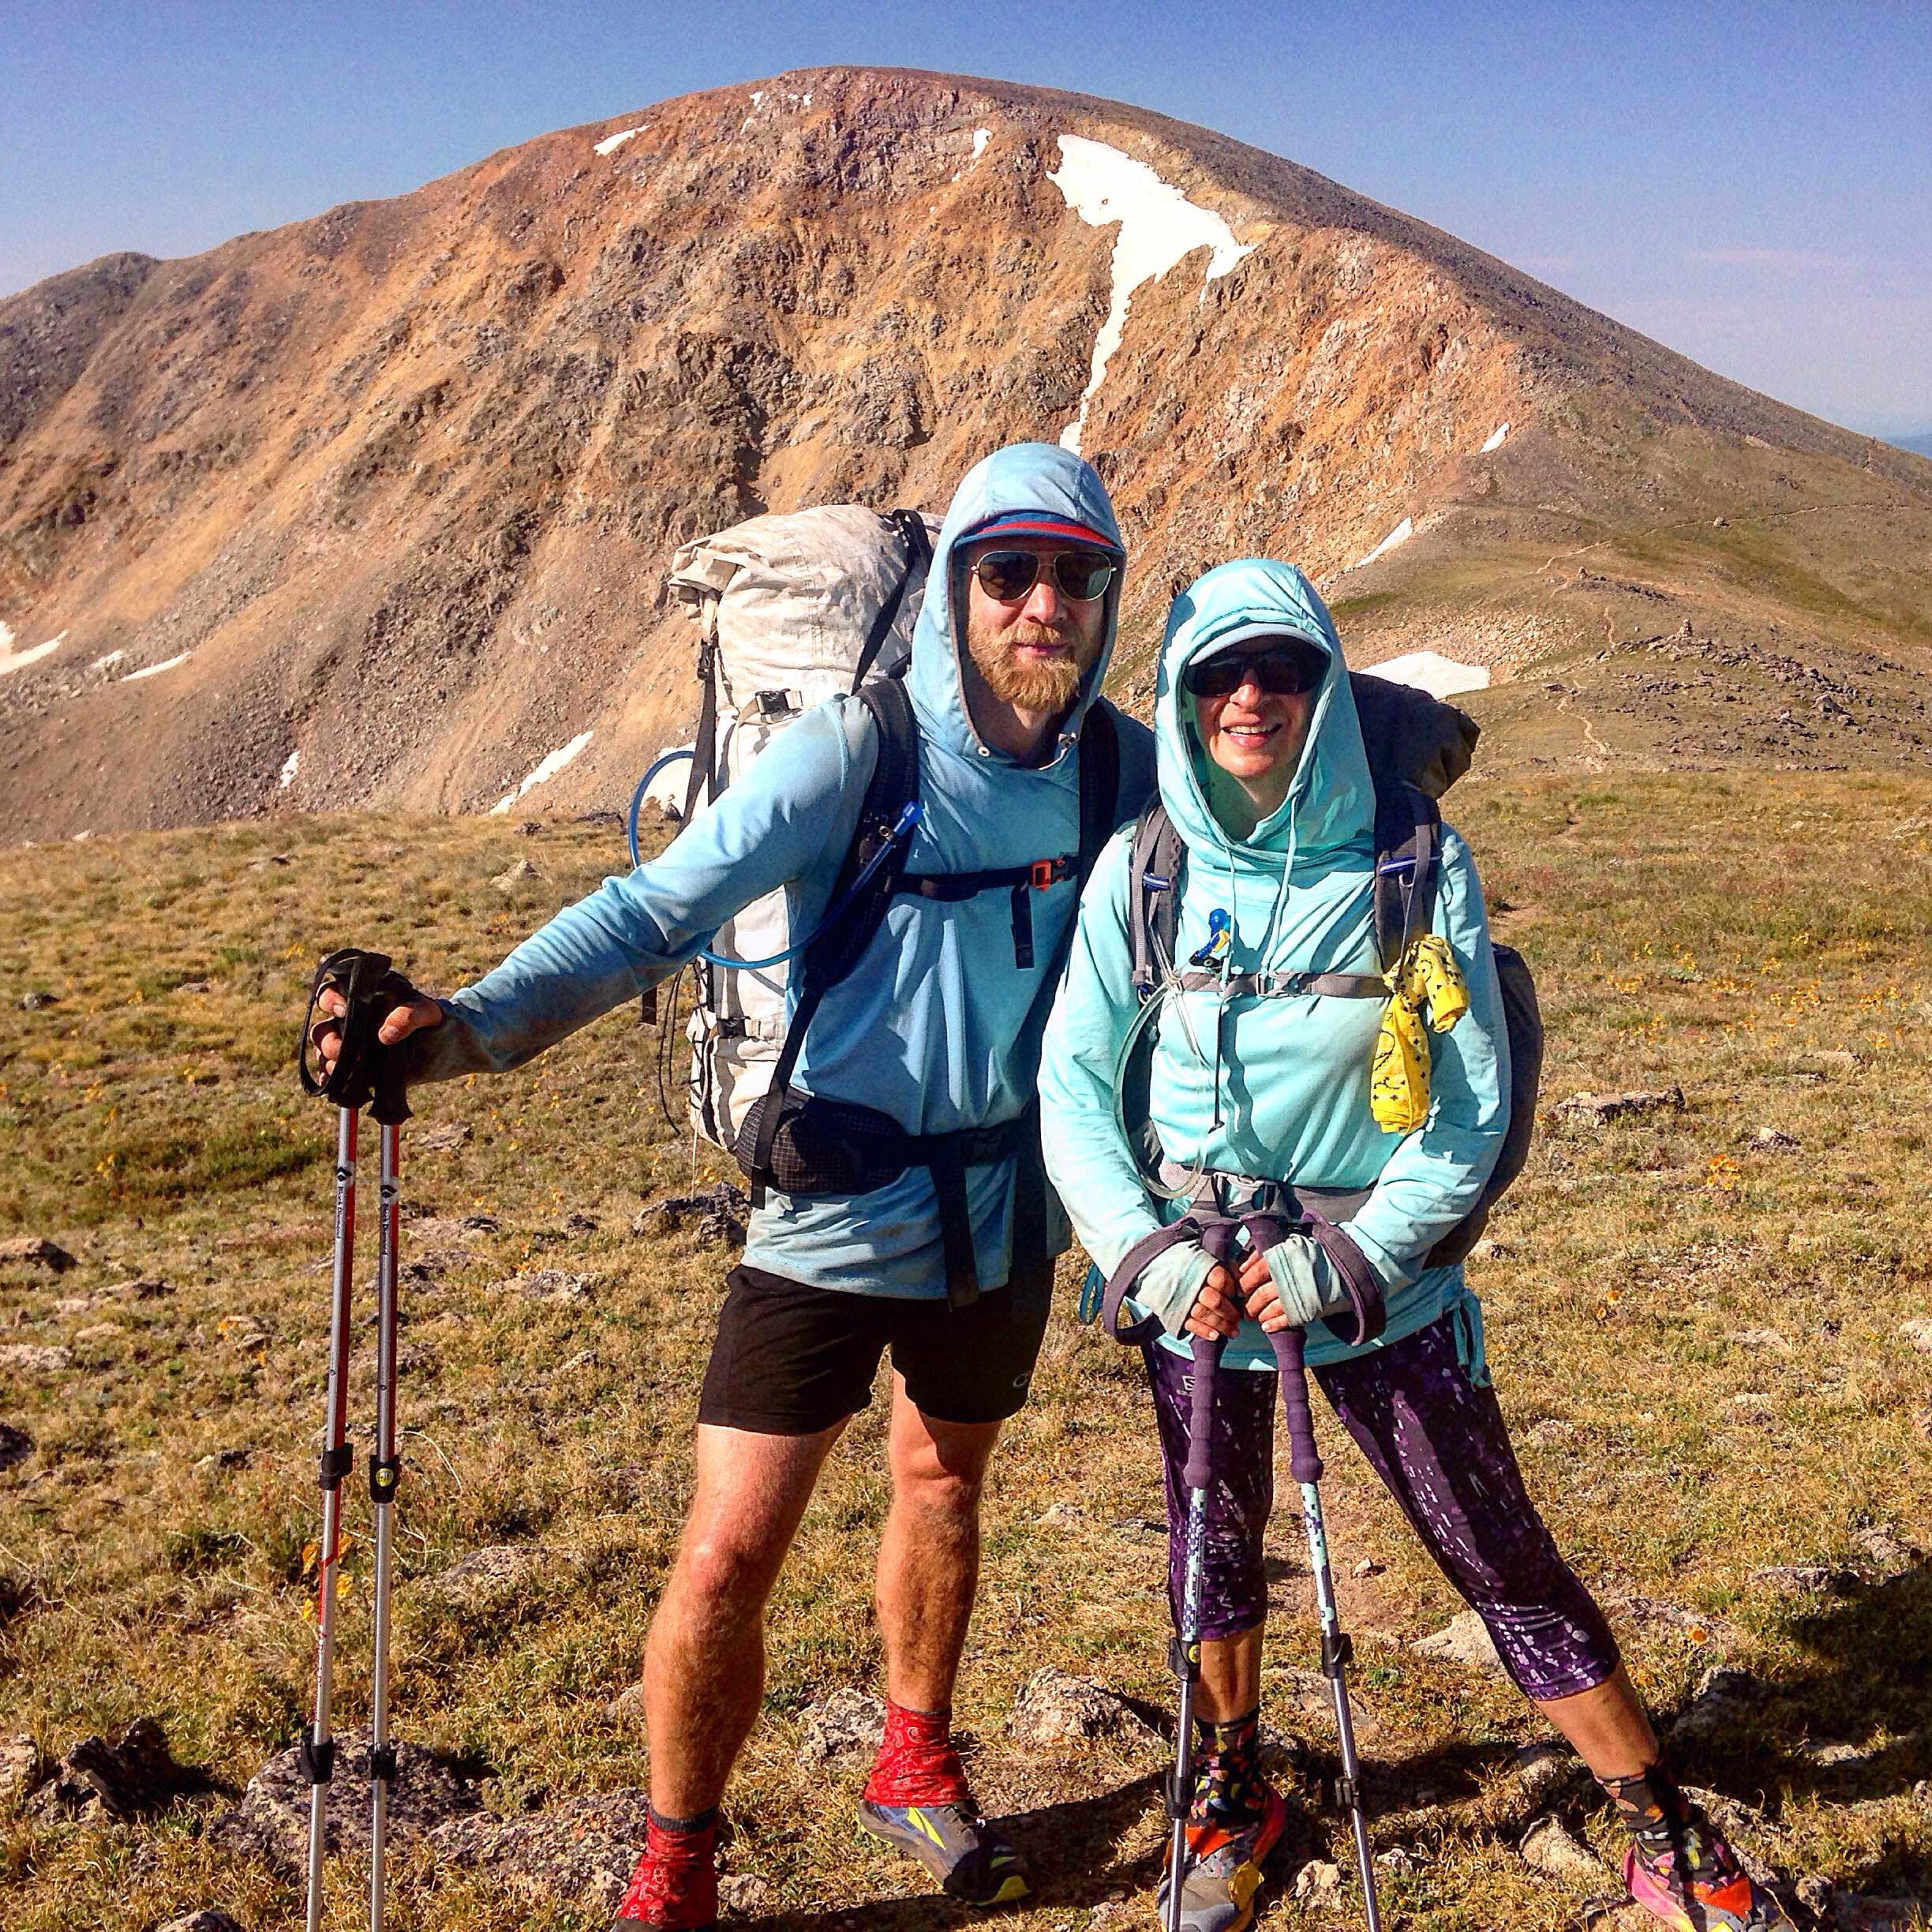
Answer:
(1780, 261)
(610, 143)
(547, 768)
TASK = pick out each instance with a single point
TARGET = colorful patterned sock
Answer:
(1660, 1820)
(1228, 1791)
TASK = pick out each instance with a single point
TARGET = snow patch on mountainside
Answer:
(1430, 671)
(547, 768)
(981, 137)
(1159, 226)
(1400, 534)
(155, 670)
(610, 143)
(1495, 438)
(11, 660)
(290, 766)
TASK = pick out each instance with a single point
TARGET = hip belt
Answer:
(836, 1147)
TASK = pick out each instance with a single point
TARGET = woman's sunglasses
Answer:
(1006, 576)
(1286, 670)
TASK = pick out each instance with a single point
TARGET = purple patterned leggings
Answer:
(1437, 1440)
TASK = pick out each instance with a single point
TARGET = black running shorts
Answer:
(790, 1360)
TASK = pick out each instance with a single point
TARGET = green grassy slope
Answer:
(1697, 1338)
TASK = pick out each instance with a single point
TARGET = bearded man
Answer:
(947, 1261)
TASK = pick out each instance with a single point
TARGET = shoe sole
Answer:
(928, 1849)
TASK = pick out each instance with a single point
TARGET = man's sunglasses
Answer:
(1286, 670)
(1006, 576)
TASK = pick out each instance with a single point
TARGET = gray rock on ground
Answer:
(35, 1251)
(846, 1720)
(1463, 1640)
(271, 1821)
(1919, 1332)
(35, 1358)
(1543, 1770)
(580, 1854)
(1548, 1847)
(490, 1580)
(1318, 1885)
(204, 1921)
(1593, 1109)
(1721, 1699)
(444, 1137)
(19, 1769)
(133, 1776)
(16, 1445)
(1058, 1711)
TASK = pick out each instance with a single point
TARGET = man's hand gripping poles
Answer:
(366, 1073)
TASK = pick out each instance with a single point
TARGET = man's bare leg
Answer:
(917, 1797)
(704, 1663)
(929, 1554)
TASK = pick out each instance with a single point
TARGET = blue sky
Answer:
(1737, 180)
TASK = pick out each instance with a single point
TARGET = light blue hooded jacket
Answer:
(936, 1026)
(1286, 1098)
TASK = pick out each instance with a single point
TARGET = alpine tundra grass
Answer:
(1701, 1319)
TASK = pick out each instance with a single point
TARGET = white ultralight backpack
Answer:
(791, 609)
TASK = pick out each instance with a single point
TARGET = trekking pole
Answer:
(1184, 1658)
(1305, 1463)
(365, 1074)
(318, 1749)
(389, 1110)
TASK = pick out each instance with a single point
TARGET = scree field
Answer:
(1708, 1323)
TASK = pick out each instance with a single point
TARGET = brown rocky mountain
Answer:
(382, 501)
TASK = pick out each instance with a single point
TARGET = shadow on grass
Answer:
(1068, 1849)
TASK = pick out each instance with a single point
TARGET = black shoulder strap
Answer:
(834, 952)
(1153, 895)
(704, 742)
(912, 527)
(1408, 838)
(1099, 784)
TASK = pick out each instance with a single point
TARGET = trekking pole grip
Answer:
(1199, 1466)
(1304, 1458)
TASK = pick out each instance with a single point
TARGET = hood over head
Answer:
(1037, 486)
(1330, 802)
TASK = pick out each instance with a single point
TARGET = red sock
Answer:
(916, 1763)
(675, 1886)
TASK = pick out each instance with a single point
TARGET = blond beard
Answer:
(1039, 688)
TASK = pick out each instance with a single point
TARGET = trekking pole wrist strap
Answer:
(366, 1072)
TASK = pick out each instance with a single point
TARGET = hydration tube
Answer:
(908, 818)
(637, 800)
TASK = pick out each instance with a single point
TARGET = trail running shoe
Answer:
(674, 1887)
(918, 1799)
(1708, 1891)
(1224, 1869)
(969, 1860)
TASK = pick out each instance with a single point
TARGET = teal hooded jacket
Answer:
(1285, 1095)
(936, 1026)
